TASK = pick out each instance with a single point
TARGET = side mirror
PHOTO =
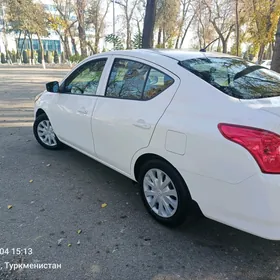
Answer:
(52, 86)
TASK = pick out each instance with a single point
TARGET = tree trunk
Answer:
(32, 50)
(82, 37)
(275, 64)
(269, 52)
(17, 54)
(91, 48)
(186, 31)
(237, 27)
(199, 38)
(149, 23)
(22, 45)
(219, 45)
(163, 38)
(73, 44)
(224, 43)
(159, 37)
(96, 43)
(42, 51)
(261, 53)
(128, 39)
(68, 51)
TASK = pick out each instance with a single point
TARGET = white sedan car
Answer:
(187, 126)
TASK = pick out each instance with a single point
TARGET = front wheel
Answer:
(165, 193)
(44, 133)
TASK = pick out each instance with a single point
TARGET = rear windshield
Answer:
(235, 77)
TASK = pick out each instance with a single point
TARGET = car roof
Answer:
(178, 55)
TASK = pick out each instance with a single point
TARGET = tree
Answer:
(149, 23)
(220, 16)
(137, 41)
(64, 24)
(262, 23)
(96, 18)
(237, 27)
(61, 27)
(80, 8)
(115, 40)
(205, 32)
(166, 18)
(128, 7)
(187, 16)
(21, 17)
(275, 64)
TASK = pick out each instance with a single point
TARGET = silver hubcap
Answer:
(160, 193)
(46, 134)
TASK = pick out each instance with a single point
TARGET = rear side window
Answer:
(157, 82)
(134, 80)
(235, 77)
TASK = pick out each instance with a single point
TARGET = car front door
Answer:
(73, 106)
(124, 119)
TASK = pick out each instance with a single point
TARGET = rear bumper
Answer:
(252, 205)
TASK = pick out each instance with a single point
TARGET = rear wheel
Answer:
(165, 193)
(44, 133)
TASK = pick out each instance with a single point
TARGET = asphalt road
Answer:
(119, 241)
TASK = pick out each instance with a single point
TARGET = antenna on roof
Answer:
(205, 48)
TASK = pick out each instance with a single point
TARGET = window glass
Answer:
(157, 82)
(236, 77)
(127, 79)
(85, 79)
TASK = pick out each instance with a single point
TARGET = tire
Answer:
(41, 120)
(184, 210)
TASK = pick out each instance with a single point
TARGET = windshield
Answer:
(235, 77)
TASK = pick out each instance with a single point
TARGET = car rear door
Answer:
(72, 108)
(124, 119)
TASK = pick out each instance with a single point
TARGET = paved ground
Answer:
(119, 241)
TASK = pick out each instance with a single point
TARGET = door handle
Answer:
(82, 111)
(142, 124)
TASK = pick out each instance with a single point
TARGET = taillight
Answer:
(263, 145)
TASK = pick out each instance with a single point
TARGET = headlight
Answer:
(38, 97)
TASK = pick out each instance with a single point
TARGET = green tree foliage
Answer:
(262, 18)
(137, 41)
(167, 12)
(115, 40)
(76, 58)
(27, 17)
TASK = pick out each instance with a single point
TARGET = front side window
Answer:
(127, 79)
(86, 78)
(235, 77)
